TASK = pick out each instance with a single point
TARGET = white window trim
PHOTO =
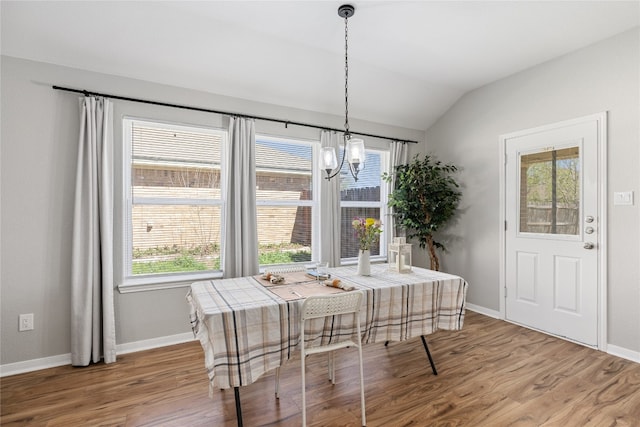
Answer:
(127, 283)
(314, 203)
(382, 204)
(180, 280)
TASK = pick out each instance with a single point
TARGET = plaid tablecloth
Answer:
(247, 330)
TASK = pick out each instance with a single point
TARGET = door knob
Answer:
(588, 219)
(589, 230)
(589, 245)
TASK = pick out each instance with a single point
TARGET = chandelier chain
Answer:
(346, 78)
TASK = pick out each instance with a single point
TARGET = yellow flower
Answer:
(367, 231)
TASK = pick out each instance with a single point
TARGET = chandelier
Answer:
(353, 147)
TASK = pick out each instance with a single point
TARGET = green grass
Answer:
(180, 264)
(284, 257)
(187, 262)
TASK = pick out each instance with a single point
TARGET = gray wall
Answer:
(39, 128)
(39, 147)
(601, 77)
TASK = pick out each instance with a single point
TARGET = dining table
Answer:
(248, 326)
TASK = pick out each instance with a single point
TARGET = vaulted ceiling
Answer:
(409, 61)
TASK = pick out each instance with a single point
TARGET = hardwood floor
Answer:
(491, 373)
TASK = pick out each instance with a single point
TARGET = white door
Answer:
(552, 230)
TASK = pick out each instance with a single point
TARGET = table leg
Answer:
(236, 391)
(433, 366)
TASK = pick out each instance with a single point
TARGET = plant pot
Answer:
(364, 262)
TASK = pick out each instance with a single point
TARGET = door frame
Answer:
(601, 121)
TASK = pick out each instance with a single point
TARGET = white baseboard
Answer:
(65, 359)
(614, 350)
(483, 310)
(149, 344)
(625, 353)
(34, 365)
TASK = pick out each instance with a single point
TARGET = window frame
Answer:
(382, 204)
(314, 203)
(123, 250)
(128, 282)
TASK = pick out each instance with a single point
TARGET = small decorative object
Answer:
(336, 283)
(399, 254)
(273, 278)
(276, 279)
(367, 232)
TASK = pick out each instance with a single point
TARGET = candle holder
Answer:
(399, 255)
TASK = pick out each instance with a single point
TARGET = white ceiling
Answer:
(409, 61)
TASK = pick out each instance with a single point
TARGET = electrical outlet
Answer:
(25, 322)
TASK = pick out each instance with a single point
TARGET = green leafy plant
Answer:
(425, 197)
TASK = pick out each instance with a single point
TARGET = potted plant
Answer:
(424, 198)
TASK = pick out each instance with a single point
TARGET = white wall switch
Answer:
(25, 322)
(623, 198)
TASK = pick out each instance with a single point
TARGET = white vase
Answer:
(364, 263)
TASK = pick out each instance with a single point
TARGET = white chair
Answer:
(326, 306)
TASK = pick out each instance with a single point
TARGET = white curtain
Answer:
(93, 332)
(398, 156)
(240, 242)
(330, 207)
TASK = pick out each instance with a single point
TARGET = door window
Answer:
(550, 192)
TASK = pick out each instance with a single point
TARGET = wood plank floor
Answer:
(492, 373)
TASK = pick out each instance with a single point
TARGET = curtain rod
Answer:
(227, 113)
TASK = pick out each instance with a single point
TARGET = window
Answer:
(550, 192)
(173, 206)
(173, 200)
(285, 200)
(365, 198)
